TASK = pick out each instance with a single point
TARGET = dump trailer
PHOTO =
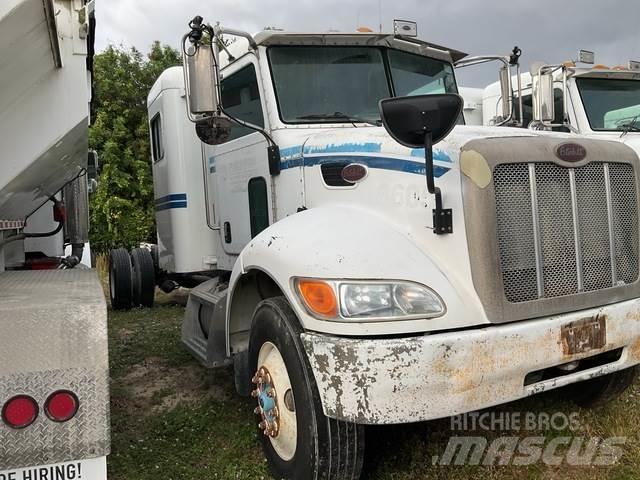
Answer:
(579, 96)
(54, 383)
(362, 257)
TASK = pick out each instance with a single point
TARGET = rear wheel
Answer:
(120, 288)
(298, 440)
(599, 391)
(144, 282)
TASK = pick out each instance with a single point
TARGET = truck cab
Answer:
(367, 258)
(593, 100)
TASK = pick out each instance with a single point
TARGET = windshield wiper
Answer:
(339, 116)
(630, 126)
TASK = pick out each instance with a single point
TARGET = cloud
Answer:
(544, 30)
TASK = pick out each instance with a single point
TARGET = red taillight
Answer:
(20, 412)
(61, 406)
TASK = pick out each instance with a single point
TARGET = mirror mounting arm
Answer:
(442, 217)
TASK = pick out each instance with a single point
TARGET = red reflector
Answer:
(354, 172)
(20, 411)
(61, 406)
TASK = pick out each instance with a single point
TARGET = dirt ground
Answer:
(172, 419)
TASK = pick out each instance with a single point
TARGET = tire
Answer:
(318, 448)
(120, 287)
(144, 278)
(156, 259)
(599, 391)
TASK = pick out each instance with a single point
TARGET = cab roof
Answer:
(409, 44)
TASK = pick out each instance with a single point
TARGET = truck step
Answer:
(204, 325)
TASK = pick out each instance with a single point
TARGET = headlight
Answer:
(370, 300)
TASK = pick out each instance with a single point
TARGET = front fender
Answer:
(345, 242)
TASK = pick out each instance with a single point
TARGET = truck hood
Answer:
(632, 139)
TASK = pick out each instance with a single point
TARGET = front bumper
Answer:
(400, 380)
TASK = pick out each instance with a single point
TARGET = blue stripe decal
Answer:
(364, 147)
(212, 164)
(170, 205)
(383, 163)
(438, 155)
(171, 198)
(174, 200)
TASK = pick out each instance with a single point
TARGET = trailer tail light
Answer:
(61, 406)
(20, 411)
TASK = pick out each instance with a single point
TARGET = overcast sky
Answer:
(545, 30)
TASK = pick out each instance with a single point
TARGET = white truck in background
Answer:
(573, 96)
(362, 257)
(54, 380)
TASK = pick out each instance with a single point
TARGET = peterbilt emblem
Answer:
(571, 152)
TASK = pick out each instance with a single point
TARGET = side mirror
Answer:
(202, 74)
(543, 98)
(423, 121)
(505, 89)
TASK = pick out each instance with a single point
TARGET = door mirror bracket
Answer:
(422, 121)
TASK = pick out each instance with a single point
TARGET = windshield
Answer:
(611, 104)
(345, 84)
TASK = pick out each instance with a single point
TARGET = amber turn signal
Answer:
(318, 297)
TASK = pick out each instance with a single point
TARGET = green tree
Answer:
(122, 209)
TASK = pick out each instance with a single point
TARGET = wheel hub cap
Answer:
(267, 408)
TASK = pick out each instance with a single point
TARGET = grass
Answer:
(172, 419)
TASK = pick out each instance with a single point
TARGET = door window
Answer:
(241, 98)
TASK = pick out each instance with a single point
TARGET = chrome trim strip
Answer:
(537, 243)
(576, 228)
(612, 241)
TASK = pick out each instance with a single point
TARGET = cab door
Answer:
(240, 167)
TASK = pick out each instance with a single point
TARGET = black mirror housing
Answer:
(422, 121)
(407, 119)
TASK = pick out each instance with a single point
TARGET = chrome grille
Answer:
(562, 231)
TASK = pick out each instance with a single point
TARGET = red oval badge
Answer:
(571, 152)
(354, 172)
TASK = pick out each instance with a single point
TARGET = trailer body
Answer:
(54, 377)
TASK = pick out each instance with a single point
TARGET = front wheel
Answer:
(299, 441)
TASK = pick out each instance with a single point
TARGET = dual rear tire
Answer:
(131, 278)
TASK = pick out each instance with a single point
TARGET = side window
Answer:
(258, 205)
(241, 98)
(157, 149)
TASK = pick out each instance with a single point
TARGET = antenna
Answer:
(380, 14)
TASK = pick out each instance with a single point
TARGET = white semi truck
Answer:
(54, 382)
(362, 257)
(574, 96)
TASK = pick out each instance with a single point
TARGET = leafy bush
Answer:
(122, 209)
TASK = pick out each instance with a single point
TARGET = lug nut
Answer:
(256, 410)
(271, 393)
(262, 425)
(255, 393)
